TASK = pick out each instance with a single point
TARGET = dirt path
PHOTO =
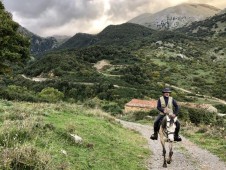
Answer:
(187, 155)
(199, 95)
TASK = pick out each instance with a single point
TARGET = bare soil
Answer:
(186, 156)
(101, 64)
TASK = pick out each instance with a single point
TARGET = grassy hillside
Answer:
(140, 62)
(138, 70)
(37, 136)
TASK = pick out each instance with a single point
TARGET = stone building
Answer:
(140, 105)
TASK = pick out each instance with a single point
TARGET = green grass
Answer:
(35, 135)
(209, 139)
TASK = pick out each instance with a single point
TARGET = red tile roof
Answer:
(142, 103)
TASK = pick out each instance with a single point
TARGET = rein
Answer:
(165, 131)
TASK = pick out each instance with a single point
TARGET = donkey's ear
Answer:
(164, 123)
(167, 118)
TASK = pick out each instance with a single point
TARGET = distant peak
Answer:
(176, 16)
(196, 5)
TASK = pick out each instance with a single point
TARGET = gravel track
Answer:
(186, 156)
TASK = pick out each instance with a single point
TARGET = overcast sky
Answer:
(68, 17)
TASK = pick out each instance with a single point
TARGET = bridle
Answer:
(169, 123)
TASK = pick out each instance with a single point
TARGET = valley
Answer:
(56, 88)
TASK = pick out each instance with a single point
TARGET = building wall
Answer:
(135, 109)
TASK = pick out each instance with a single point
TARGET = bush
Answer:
(154, 112)
(198, 116)
(184, 114)
(140, 115)
(13, 92)
(24, 157)
(221, 108)
(112, 107)
(92, 103)
(221, 122)
(50, 94)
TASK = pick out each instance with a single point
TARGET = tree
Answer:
(14, 48)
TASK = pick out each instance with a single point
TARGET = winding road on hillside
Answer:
(187, 155)
(199, 95)
(102, 64)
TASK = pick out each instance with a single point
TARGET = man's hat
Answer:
(166, 90)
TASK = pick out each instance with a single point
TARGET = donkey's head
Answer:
(170, 127)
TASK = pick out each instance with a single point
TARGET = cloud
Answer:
(43, 14)
(49, 17)
(123, 8)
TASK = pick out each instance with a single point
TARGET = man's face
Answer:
(166, 94)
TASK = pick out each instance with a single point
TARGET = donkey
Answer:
(166, 133)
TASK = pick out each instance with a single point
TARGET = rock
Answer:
(212, 109)
(221, 114)
(158, 43)
(63, 151)
(76, 138)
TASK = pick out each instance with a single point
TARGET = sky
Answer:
(68, 17)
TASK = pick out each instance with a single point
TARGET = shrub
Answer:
(50, 94)
(92, 103)
(13, 92)
(140, 115)
(198, 116)
(221, 108)
(154, 112)
(220, 122)
(19, 131)
(184, 114)
(24, 157)
(112, 107)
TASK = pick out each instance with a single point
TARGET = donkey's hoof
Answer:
(168, 161)
(164, 165)
(154, 136)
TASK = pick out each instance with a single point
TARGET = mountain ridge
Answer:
(39, 45)
(112, 34)
(174, 17)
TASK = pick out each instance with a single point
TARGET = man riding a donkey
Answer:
(166, 106)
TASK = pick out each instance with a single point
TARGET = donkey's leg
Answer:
(164, 153)
(169, 160)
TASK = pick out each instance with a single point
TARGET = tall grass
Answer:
(207, 137)
(38, 136)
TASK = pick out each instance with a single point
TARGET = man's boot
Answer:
(177, 138)
(154, 136)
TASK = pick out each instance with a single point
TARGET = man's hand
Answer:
(172, 116)
(166, 110)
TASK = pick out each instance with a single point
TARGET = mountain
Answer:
(140, 18)
(222, 11)
(39, 45)
(111, 35)
(212, 26)
(135, 62)
(61, 38)
(175, 17)
(79, 40)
